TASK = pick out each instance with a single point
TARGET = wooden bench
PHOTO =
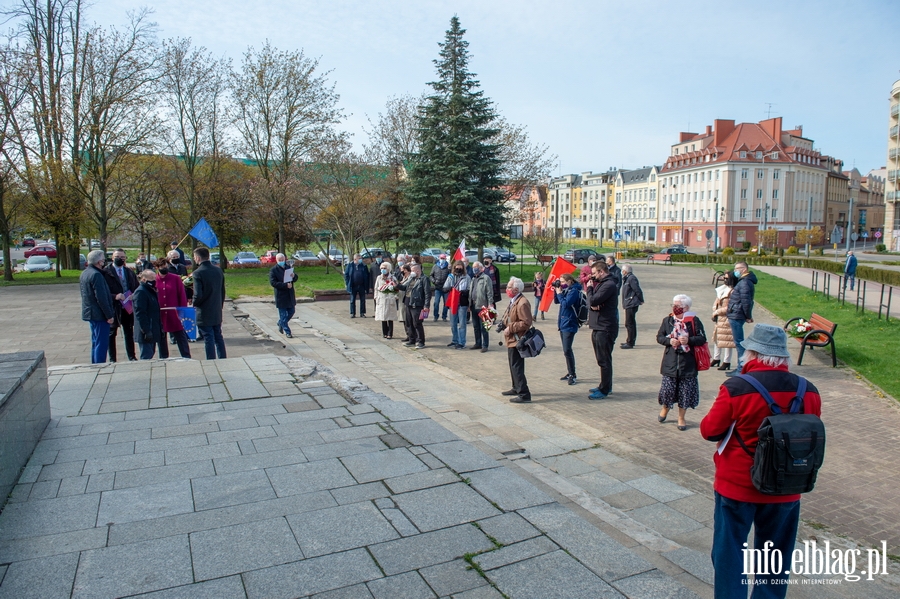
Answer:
(664, 258)
(821, 335)
(545, 261)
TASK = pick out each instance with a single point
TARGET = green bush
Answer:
(880, 248)
(792, 251)
(819, 252)
(746, 246)
(728, 251)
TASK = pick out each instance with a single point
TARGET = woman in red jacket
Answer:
(172, 295)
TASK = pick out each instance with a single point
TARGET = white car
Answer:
(305, 256)
(335, 254)
(37, 264)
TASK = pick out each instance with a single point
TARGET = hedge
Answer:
(877, 275)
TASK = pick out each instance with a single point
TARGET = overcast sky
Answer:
(603, 83)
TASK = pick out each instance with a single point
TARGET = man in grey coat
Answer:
(96, 305)
(209, 299)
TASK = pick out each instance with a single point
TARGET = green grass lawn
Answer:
(41, 278)
(864, 343)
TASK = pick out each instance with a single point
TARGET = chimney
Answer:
(722, 130)
(772, 127)
(708, 130)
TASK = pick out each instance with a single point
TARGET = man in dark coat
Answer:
(285, 297)
(603, 300)
(632, 298)
(740, 308)
(439, 273)
(147, 320)
(180, 252)
(494, 275)
(356, 276)
(615, 272)
(121, 279)
(96, 305)
(209, 300)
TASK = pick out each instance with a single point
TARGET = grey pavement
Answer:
(370, 470)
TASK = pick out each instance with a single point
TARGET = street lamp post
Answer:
(682, 225)
(716, 229)
(765, 179)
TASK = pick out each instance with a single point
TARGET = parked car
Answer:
(216, 257)
(29, 242)
(435, 252)
(334, 254)
(95, 244)
(37, 264)
(82, 261)
(580, 255)
(503, 254)
(44, 249)
(305, 256)
(269, 257)
(370, 253)
(472, 255)
(675, 249)
(245, 258)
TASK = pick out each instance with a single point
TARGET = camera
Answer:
(501, 327)
(556, 283)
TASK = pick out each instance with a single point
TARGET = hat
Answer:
(174, 243)
(767, 340)
(443, 256)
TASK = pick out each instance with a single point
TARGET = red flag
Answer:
(453, 300)
(560, 267)
(460, 254)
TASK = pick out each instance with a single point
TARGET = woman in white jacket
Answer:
(386, 300)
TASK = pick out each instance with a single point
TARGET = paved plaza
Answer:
(350, 466)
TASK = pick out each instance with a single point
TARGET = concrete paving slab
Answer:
(561, 576)
(342, 449)
(230, 587)
(517, 552)
(429, 549)
(48, 516)
(458, 504)
(58, 471)
(508, 528)
(42, 578)
(311, 576)
(693, 562)
(231, 489)
(451, 578)
(145, 503)
(268, 459)
(653, 585)
(384, 464)
(72, 486)
(421, 480)
(357, 493)
(151, 476)
(357, 591)
(408, 585)
(507, 489)
(600, 484)
(461, 456)
(340, 528)
(423, 432)
(660, 488)
(664, 519)
(305, 478)
(261, 544)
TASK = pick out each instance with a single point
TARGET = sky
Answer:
(602, 83)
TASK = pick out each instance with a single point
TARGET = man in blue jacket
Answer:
(740, 308)
(96, 305)
(356, 276)
(850, 270)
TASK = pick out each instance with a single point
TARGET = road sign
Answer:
(836, 235)
(854, 236)
(877, 234)
(865, 234)
(709, 234)
(574, 231)
(617, 237)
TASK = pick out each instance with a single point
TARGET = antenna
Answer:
(769, 109)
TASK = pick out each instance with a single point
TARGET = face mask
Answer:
(737, 274)
(281, 263)
(150, 284)
(384, 271)
(119, 262)
(401, 263)
(563, 285)
(458, 271)
(163, 271)
(476, 271)
(359, 261)
(677, 310)
(412, 275)
(511, 293)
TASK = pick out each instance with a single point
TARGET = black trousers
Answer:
(517, 373)
(126, 321)
(630, 325)
(603, 342)
(414, 326)
(181, 340)
(387, 328)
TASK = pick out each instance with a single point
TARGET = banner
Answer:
(560, 267)
(203, 233)
(460, 253)
(188, 318)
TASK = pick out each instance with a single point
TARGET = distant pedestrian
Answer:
(516, 320)
(439, 273)
(171, 293)
(96, 305)
(539, 286)
(209, 301)
(418, 297)
(615, 272)
(584, 276)
(121, 281)
(385, 295)
(603, 300)
(733, 422)
(481, 295)
(632, 299)
(285, 296)
(147, 320)
(142, 263)
(567, 293)
(461, 282)
(850, 270)
(493, 274)
(356, 277)
(180, 260)
(740, 308)
(680, 332)
(402, 281)
(722, 336)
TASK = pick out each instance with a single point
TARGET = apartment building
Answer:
(892, 182)
(637, 204)
(735, 180)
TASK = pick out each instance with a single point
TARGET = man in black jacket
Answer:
(417, 298)
(209, 300)
(603, 300)
(439, 273)
(96, 305)
(740, 309)
(356, 276)
(632, 298)
(285, 296)
(120, 279)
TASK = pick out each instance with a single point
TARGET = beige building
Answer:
(734, 180)
(577, 206)
(637, 204)
(892, 182)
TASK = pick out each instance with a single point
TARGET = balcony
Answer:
(895, 109)
(895, 130)
(893, 175)
(892, 196)
(893, 153)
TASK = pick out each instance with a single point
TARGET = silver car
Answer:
(305, 256)
(37, 264)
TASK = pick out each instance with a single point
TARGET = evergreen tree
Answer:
(454, 188)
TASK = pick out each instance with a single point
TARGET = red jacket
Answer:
(171, 294)
(739, 401)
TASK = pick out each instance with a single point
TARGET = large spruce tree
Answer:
(454, 188)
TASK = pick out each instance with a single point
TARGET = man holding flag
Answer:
(457, 284)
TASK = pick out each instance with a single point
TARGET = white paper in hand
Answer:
(288, 275)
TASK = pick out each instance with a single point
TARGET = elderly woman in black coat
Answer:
(680, 332)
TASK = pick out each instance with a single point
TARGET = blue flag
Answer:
(203, 233)
(188, 317)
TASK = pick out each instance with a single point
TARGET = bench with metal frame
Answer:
(664, 258)
(821, 335)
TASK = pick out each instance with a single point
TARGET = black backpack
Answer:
(791, 446)
(581, 309)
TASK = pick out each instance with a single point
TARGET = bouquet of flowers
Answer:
(188, 281)
(389, 285)
(799, 329)
(488, 316)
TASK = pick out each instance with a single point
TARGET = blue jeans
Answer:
(775, 522)
(99, 341)
(361, 294)
(737, 332)
(440, 294)
(214, 342)
(458, 325)
(149, 349)
(537, 305)
(567, 340)
(284, 317)
(851, 279)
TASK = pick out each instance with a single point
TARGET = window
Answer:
(759, 155)
(774, 194)
(695, 196)
(745, 173)
(759, 194)
(743, 213)
(717, 175)
(758, 212)
(776, 174)
(759, 173)
(743, 154)
(695, 177)
(774, 156)
(693, 147)
(701, 195)
(774, 213)
(702, 177)
(743, 194)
